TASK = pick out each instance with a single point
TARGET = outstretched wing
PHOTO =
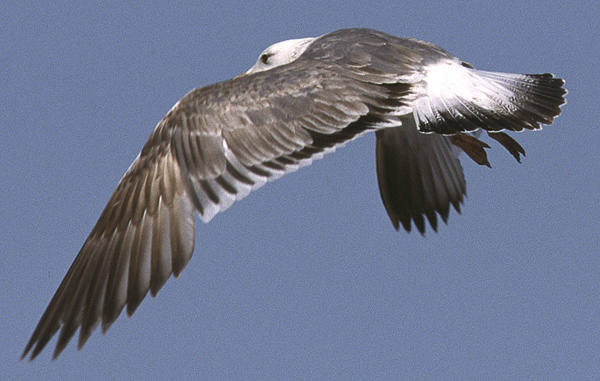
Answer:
(144, 234)
(216, 145)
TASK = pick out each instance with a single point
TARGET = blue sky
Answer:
(305, 278)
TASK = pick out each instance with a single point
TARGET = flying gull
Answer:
(303, 98)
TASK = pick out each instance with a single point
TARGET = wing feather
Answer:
(214, 147)
(419, 175)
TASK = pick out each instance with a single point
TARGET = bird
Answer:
(303, 98)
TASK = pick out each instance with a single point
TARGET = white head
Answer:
(280, 53)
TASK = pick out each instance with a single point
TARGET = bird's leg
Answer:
(509, 143)
(472, 146)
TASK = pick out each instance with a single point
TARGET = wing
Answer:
(216, 145)
(419, 175)
(145, 233)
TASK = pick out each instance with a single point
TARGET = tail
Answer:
(457, 98)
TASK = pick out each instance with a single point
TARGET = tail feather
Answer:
(456, 98)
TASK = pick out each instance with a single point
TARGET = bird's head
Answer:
(279, 54)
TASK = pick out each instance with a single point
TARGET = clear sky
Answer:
(305, 278)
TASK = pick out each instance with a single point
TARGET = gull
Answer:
(302, 99)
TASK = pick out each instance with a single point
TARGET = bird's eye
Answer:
(264, 58)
